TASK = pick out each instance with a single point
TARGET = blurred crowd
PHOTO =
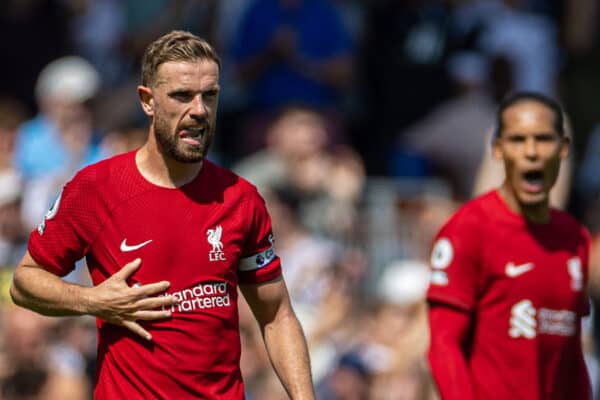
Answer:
(364, 124)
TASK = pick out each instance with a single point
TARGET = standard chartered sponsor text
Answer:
(201, 296)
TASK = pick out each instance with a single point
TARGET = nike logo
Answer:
(125, 247)
(513, 270)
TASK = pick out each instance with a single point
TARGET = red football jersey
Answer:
(524, 286)
(204, 238)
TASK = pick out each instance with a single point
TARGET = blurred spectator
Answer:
(61, 139)
(351, 14)
(72, 354)
(400, 326)
(580, 82)
(501, 26)
(291, 51)
(452, 138)
(403, 75)
(308, 258)
(588, 179)
(24, 373)
(398, 340)
(254, 361)
(269, 389)
(328, 180)
(295, 136)
(449, 141)
(377, 351)
(33, 33)
(349, 380)
(96, 29)
(580, 86)
(123, 140)
(592, 333)
(12, 230)
(28, 371)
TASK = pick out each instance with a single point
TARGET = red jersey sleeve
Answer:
(258, 263)
(455, 264)
(68, 228)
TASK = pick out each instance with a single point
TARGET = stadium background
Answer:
(363, 123)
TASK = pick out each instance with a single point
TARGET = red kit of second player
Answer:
(526, 284)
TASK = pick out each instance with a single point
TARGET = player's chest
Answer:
(179, 238)
(551, 275)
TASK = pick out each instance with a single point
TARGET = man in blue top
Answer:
(60, 139)
(294, 51)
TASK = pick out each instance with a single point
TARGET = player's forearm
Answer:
(450, 373)
(288, 352)
(46, 293)
(446, 359)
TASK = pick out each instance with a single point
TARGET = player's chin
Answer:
(532, 199)
(190, 156)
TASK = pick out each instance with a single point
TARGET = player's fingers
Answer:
(152, 288)
(148, 315)
(137, 329)
(128, 269)
(150, 303)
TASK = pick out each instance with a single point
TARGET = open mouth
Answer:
(534, 180)
(192, 135)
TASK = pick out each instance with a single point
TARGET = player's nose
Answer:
(198, 107)
(531, 150)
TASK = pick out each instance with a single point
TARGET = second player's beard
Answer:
(168, 142)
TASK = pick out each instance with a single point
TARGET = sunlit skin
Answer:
(182, 105)
(531, 150)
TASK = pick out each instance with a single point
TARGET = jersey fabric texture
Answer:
(524, 286)
(204, 238)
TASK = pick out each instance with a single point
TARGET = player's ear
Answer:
(146, 100)
(497, 147)
(565, 144)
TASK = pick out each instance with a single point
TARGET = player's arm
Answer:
(283, 335)
(37, 289)
(449, 327)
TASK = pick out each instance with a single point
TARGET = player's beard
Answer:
(170, 145)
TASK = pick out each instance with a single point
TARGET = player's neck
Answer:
(538, 213)
(162, 171)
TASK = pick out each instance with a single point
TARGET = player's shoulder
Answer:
(231, 181)
(473, 214)
(568, 223)
(563, 217)
(104, 170)
(108, 179)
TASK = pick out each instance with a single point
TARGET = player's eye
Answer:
(210, 94)
(546, 137)
(516, 139)
(181, 96)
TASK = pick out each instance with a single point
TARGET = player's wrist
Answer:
(86, 302)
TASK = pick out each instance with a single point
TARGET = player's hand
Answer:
(116, 302)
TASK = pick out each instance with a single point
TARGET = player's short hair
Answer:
(543, 99)
(175, 46)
